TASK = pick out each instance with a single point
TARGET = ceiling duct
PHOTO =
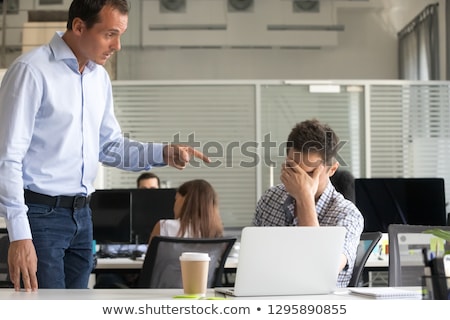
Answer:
(306, 5)
(172, 5)
(257, 24)
(239, 5)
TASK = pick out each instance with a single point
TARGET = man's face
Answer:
(101, 41)
(151, 183)
(309, 162)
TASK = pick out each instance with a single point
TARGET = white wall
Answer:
(367, 49)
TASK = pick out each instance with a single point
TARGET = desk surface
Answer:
(119, 263)
(376, 259)
(374, 262)
(151, 294)
(127, 263)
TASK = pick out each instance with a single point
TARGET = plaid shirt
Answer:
(276, 208)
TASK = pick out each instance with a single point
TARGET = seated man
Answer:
(148, 180)
(306, 196)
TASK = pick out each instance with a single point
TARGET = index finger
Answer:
(198, 154)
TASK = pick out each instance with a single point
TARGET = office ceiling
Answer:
(244, 23)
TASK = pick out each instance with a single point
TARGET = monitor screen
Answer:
(111, 216)
(415, 201)
(148, 206)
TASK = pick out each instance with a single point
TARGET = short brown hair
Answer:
(148, 175)
(314, 136)
(88, 10)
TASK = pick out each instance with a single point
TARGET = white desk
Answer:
(377, 263)
(104, 264)
(375, 260)
(127, 263)
(118, 264)
(150, 294)
(155, 303)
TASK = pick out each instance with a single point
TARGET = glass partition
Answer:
(388, 129)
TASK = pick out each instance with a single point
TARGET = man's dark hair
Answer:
(314, 136)
(148, 175)
(88, 10)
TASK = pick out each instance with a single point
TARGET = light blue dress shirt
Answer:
(55, 126)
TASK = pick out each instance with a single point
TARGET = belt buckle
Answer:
(79, 202)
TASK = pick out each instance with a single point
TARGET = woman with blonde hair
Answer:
(196, 212)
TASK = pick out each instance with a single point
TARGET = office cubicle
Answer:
(111, 216)
(148, 206)
(127, 216)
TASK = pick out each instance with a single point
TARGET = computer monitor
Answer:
(111, 216)
(415, 201)
(148, 206)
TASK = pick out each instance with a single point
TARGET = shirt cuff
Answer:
(18, 229)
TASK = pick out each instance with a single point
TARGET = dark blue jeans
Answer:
(63, 241)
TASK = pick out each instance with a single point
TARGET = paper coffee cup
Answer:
(194, 272)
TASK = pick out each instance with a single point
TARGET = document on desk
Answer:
(386, 293)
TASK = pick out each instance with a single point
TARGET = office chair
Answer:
(344, 183)
(161, 267)
(367, 243)
(406, 264)
(4, 270)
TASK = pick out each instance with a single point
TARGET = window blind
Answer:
(219, 118)
(284, 106)
(390, 129)
(410, 131)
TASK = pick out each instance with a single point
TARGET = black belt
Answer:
(73, 202)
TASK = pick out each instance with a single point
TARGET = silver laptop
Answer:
(287, 261)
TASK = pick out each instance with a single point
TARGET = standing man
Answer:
(148, 180)
(306, 196)
(57, 122)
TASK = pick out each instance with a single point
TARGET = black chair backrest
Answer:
(161, 267)
(367, 243)
(344, 182)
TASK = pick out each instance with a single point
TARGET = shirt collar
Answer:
(62, 51)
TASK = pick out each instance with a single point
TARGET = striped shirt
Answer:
(276, 208)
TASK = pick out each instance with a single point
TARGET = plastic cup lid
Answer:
(194, 256)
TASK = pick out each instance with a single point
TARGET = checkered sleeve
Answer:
(269, 209)
(334, 209)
